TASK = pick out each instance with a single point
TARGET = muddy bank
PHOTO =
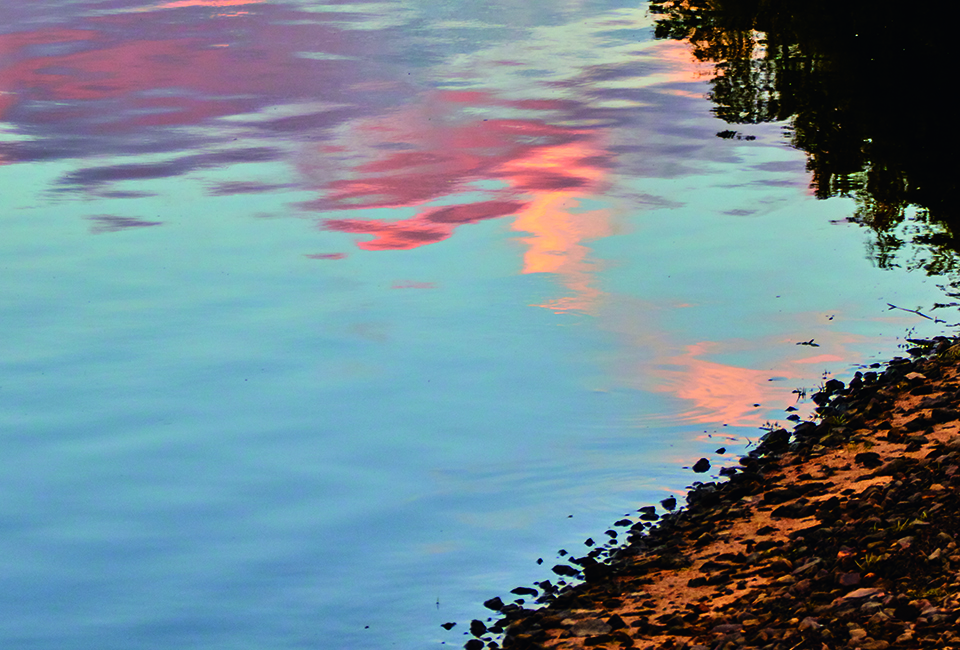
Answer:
(840, 533)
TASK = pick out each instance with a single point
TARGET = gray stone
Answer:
(590, 627)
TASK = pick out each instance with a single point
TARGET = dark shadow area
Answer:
(863, 86)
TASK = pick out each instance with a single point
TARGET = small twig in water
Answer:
(917, 312)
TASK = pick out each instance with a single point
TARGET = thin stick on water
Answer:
(918, 313)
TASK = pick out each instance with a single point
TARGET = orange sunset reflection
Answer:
(725, 393)
(718, 392)
(556, 244)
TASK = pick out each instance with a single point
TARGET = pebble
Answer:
(809, 623)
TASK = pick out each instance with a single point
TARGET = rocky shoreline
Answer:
(839, 534)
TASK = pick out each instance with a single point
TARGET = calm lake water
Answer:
(322, 322)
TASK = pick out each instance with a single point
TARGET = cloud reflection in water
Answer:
(442, 154)
(196, 88)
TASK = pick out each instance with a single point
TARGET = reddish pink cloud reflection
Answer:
(433, 226)
(437, 151)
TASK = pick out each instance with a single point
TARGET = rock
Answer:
(809, 623)
(473, 644)
(563, 570)
(789, 511)
(590, 627)
(726, 628)
(864, 592)
(801, 587)
(833, 386)
(918, 423)
(857, 633)
(940, 415)
(701, 466)
(594, 571)
(494, 603)
(477, 628)
(879, 618)
(616, 623)
(868, 459)
(525, 591)
(874, 644)
(871, 607)
(813, 563)
(780, 495)
(448, 626)
(669, 503)
(848, 579)
(896, 466)
(776, 439)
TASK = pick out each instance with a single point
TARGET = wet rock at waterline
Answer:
(494, 603)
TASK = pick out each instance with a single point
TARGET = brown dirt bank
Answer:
(841, 534)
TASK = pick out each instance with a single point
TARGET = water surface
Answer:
(324, 321)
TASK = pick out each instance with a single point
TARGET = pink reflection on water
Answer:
(433, 226)
(431, 150)
(202, 3)
(436, 151)
(175, 70)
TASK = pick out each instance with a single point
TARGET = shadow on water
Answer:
(863, 86)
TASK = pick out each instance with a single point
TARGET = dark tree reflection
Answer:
(863, 85)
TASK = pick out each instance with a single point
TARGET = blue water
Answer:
(323, 322)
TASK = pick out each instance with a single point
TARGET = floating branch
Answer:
(917, 312)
